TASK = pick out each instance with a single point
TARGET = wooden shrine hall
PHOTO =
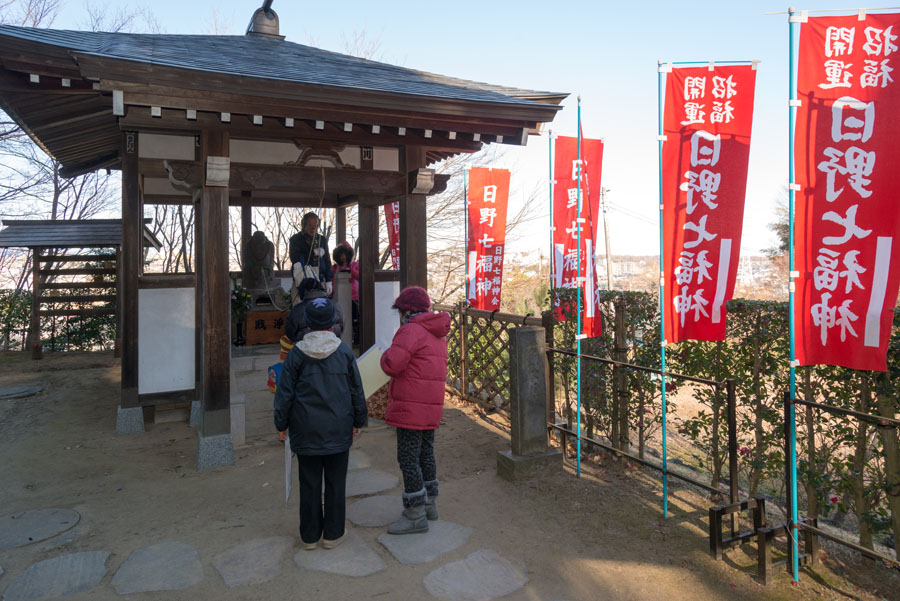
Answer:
(251, 121)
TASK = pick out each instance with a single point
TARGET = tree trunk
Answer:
(621, 393)
(887, 407)
(717, 416)
(756, 469)
(812, 497)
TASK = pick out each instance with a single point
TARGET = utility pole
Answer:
(603, 192)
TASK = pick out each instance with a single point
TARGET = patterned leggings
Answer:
(415, 454)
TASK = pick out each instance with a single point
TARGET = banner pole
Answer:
(466, 227)
(792, 93)
(552, 231)
(580, 284)
(662, 296)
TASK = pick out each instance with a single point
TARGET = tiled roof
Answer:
(75, 233)
(267, 58)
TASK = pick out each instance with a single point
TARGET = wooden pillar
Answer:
(130, 269)
(215, 310)
(413, 228)
(117, 344)
(198, 296)
(34, 334)
(341, 226)
(246, 227)
(368, 259)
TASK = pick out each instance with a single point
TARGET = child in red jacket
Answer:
(417, 364)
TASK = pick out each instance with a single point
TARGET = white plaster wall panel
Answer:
(159, 146)
(387, 320)
(263, 153)
(159, 185)
(386, 159)
(165, 339)
(351, 156)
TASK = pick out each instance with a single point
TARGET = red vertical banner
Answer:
(487, 201)
(707, 123)
(392, 218)
(847, 222)
(568, 223)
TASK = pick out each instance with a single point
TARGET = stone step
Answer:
(255, 362)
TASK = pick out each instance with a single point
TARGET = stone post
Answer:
(529, 373)
(343, 296)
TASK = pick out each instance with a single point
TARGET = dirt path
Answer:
(598, 537)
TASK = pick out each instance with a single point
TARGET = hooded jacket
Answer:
(320, 398)
(295, 327)
(417, 364)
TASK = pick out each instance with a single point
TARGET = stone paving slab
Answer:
(481, 576)
(358, 460)
(57, 577)
(166, 566)
(352, 558)
(369, 482)
(442, 537)
(26, 527)
(375, 512)
(253, 562)
(19, 392)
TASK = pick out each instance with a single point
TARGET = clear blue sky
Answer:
(604, 51)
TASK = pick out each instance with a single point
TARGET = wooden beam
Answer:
(132, 243)
(75, 258)
(214, 286)
(368, 262)
(79, 271)
(190, 89)
(167, 398)
(78, 298)
(77, 312)
(34, 341)
(78, 285)
(413, 228)
(174, 280)
(280, 178)
(242, 127)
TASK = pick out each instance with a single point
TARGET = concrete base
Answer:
(196, 412)
(214, 451)
(517, 467)
(129, 420)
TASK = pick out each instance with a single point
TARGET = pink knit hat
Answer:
(413, 298)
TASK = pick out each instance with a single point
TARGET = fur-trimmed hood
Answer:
(320, 344)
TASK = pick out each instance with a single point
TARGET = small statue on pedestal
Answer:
(257, 273)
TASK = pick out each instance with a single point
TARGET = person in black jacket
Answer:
(295, 327)
(320, 402)
(309, 253)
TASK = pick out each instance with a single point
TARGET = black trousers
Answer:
(316, 522)
(415, 454)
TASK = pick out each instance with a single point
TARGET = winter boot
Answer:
(431, 512)
(413, 519)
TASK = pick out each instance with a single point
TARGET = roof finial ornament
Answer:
(264, 22)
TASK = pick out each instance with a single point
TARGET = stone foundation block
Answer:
(214, 451)
(129, 420)
(521, 467)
